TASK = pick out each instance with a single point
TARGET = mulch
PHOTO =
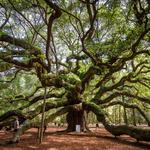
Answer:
(98, 139)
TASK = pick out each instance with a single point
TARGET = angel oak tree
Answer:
(88, 53)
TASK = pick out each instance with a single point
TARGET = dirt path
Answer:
(99, 140)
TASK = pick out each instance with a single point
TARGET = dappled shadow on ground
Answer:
(99, 139)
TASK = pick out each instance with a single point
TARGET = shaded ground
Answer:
(99, 140)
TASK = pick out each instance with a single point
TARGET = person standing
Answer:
(16, 125)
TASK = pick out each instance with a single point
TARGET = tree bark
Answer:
(76, 117)
(41, 131)
(134, 117)
(124, 112)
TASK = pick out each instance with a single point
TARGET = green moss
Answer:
(2, 33)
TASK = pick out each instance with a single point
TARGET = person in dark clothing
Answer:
(97, 125)
(22, 120)
(16, 125)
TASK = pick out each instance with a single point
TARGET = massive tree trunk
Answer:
(76, 117)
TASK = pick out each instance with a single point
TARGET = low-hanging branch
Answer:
(12, 113)
(35, 122)
(138, 133)
(32, 114)
(40, 97)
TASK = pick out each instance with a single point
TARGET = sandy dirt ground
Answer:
(99, 139)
